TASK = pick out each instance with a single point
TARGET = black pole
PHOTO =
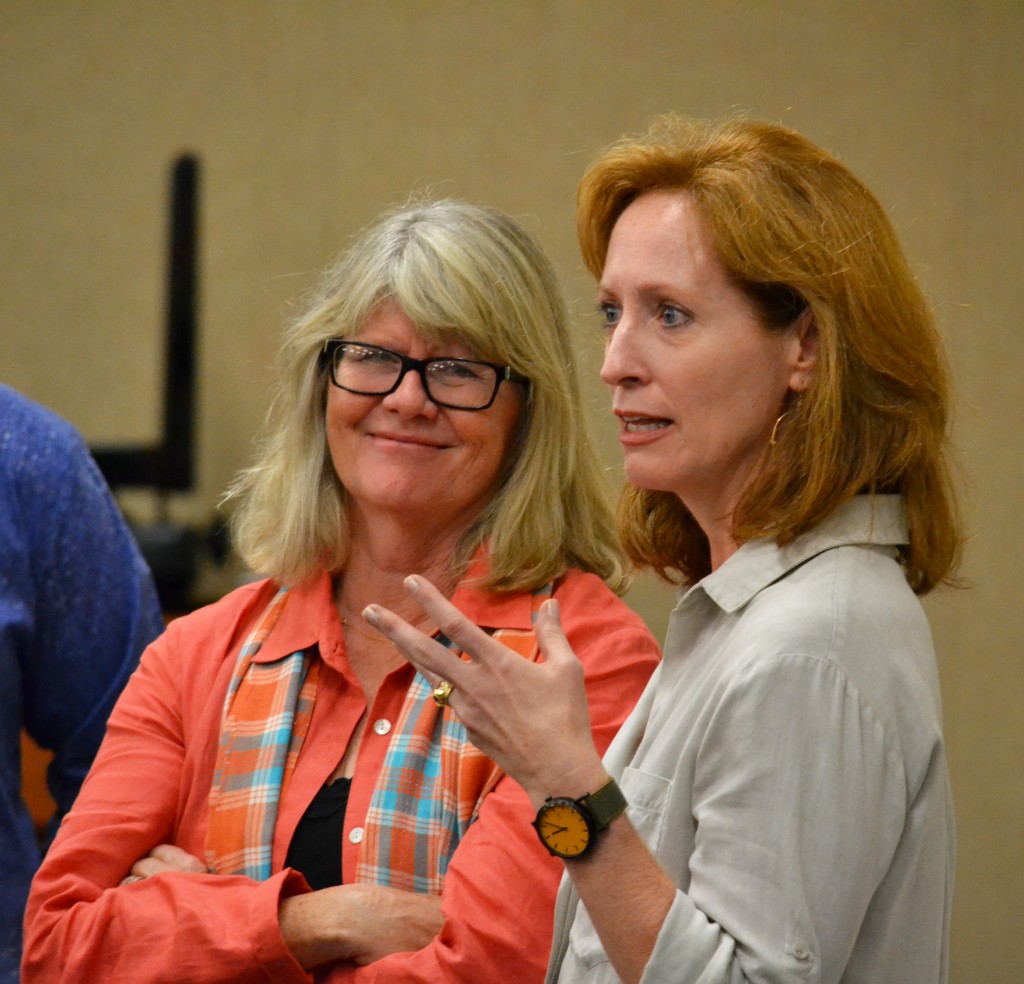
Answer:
(170, 464)
(178, 450)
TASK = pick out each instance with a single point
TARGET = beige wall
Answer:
(311, 116)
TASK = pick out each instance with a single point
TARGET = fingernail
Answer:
(412, 584)
(371, 613)
(551, 607)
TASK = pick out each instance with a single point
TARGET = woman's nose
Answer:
(410, 398)
(624, 359)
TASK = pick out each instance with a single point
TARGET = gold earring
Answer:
(771, 440)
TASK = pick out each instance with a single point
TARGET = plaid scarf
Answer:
(430, 788)
(266, 716)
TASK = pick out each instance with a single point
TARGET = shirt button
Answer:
(801, 952)
(356, 835)
(382, 726)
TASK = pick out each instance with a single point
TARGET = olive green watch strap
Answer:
(605, 804)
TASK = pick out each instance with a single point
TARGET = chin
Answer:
(644, 479)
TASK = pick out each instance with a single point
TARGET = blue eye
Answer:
(611, 314)
(672, 317)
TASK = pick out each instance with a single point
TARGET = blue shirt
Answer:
(77, 606)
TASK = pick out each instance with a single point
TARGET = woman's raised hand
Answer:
(531, 718)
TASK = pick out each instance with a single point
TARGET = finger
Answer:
(465, 633)
(434, 661)
(148, 866)
(550, 636)
(177, 859)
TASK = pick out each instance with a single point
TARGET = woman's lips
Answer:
(636, 425)
(640, 428)
(417, 440)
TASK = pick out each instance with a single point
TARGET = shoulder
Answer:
(589, 596)
(45, 461)
(32, 433)
(843, 605)
(238, 604)
(844, 626)
(592, 614)
(190, 664)
(56, 509)
(52, 488)
(217, 628)
(21, 412)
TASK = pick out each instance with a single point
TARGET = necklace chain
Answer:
(374, 636)
(348, 621)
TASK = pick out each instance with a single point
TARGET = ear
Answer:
(803, 351)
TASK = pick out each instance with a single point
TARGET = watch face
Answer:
(563, 828)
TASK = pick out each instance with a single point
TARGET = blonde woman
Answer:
(280, 792)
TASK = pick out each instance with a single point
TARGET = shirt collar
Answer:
(309, 617)
(878, 520)
(491, 609)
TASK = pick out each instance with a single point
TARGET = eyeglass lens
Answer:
(375, 371)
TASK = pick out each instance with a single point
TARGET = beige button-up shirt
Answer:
(786, 767)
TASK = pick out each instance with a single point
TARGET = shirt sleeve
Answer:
(82, 925)
(499, 891)
(799, 803)
(96, 609)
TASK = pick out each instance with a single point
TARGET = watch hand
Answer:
(552, 829)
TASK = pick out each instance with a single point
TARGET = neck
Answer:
(383, 552)
(722, 548)
(714, 507)
(718, 529)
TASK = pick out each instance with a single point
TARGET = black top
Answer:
(315, 849)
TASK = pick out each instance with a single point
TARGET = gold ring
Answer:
(442, 692)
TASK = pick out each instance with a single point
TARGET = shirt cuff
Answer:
(267, 941)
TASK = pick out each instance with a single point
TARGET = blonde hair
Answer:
(797, 231)
(469, 274)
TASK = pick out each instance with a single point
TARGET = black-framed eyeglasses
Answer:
(372, 370)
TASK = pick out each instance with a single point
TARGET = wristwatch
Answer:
(568, 828)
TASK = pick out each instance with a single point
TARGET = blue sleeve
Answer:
(77, 606)
(80, 604)
(98, 611)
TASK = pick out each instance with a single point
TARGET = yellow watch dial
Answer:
(563, 829)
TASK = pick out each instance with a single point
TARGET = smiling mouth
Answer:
(410, 439)
(638, 425)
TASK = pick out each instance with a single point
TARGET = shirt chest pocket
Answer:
(648, 797)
